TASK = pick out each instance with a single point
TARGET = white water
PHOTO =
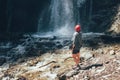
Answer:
(6, 45)
(64, 15)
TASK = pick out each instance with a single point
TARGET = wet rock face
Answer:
(99, 16)
(30, 45)
(115, 28)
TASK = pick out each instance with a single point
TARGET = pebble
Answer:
(112, 52)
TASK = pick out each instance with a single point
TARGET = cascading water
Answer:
(64, 15)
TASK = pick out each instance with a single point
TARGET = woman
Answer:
(76, 45)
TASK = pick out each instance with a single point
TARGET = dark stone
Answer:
(59, 46)
(22, 78)
(2, 60)
(90, 66)
(62, 78)
(110, 39)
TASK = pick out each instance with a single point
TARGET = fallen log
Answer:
(47, 64)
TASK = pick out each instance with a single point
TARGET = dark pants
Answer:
(75, 51)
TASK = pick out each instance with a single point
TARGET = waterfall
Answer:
(63, 16)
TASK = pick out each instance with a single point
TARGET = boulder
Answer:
(112, 52)
(86, 55)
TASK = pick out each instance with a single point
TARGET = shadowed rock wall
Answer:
(20, 15)
(98, 15)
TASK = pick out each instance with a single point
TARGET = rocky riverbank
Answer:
(53, 65)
